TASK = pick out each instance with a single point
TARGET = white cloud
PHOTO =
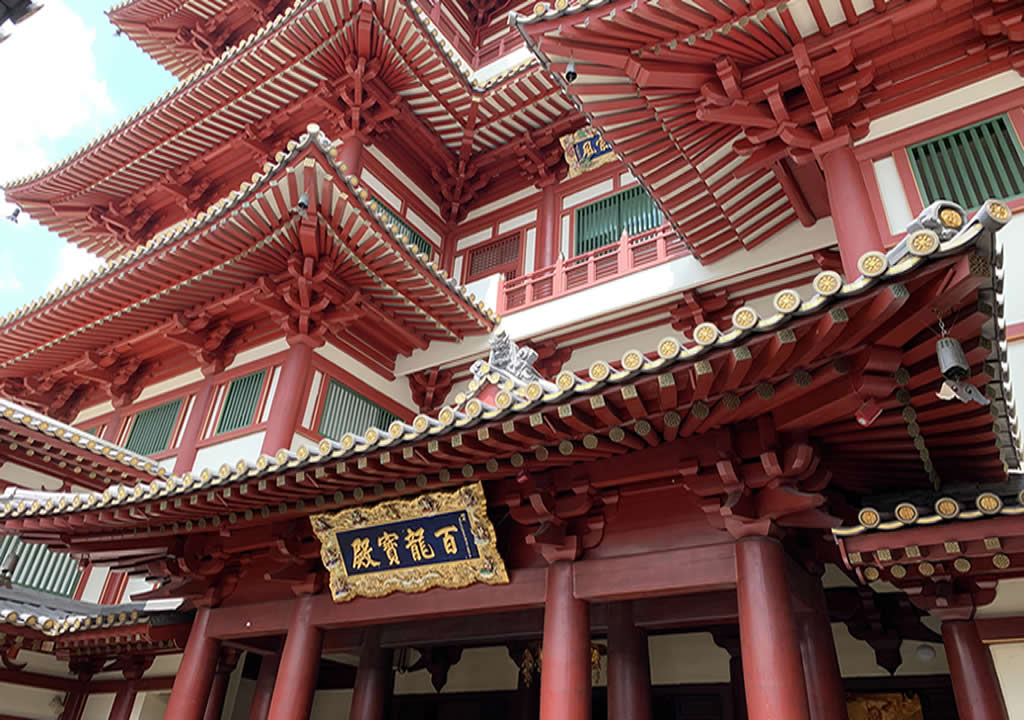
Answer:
(56, 92)
(8, 278)
(72, 263)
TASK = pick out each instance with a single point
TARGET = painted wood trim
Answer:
(1000, 630)
(948, 122)
(128, 412)
(330, 370)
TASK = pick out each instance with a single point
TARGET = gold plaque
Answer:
(441, 539)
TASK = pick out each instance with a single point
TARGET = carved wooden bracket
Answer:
(550, 357)
(758, 496)
(430, 388)
(213, 342)
(568, 515)
(306, 303)
(800, 109)
(122, 376)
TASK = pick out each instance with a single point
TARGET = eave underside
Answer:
(773, 411)
(725, 114)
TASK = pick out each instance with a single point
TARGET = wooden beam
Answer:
(709, 568)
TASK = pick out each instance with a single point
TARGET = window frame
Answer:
(318, 416)
(921, 183)
(176, 427)
(469, 276)
(616, 193)
(212, 431)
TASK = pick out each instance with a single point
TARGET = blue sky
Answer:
(74, 80)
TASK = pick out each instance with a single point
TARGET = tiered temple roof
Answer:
(382, 295)
(809, 366)
(359, 69)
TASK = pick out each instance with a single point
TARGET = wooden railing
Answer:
(628, 255)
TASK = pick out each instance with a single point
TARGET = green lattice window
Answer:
(151, 429)
(970, 165)
(601, 222)
(403, 228)
(240, 402)
(39, 568)
(347, 411)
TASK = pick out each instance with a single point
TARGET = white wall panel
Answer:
(246, 447)
(941, 105)
(894, 197)
(1009, 659)
(589, 193)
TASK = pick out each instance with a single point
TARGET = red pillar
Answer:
(772, 672)
(565, 666)
(975, 686)
(74, 704)
(219, 688)
(195, 674)
(300, 661)
(113, 426)
(548, 241)
(264, 687)
(629, 666)
(825, 696)
(289, 399)
(124, 700)
(728, 638)
(186, 457)
(852, 214)
(351, 153)
(375, 679)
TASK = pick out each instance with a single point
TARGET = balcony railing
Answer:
(628, 255)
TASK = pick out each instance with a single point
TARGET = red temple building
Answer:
(629, 359)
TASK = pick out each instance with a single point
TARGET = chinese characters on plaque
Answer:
(434, 540)
(585, 150)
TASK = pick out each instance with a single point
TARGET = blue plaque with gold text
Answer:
(434, 540)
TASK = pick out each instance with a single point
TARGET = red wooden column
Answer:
(975, 685)
(851, 208)
(300, 661)
(186, 457)
(772, 672)
(825, 696)
(113, 426)
(219, 689)
(195, 674)
(375, 679)
(548, 241)
(727, 637)
(74, 704)
(74, 701)
(124, 700)
(629, 666)
(289, 398)
(351, 153)
(264, 687)
(565, 669)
